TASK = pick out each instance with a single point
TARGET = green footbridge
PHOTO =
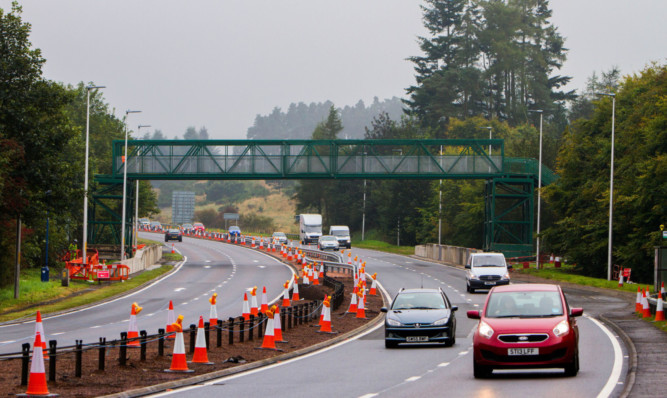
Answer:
(509, 188)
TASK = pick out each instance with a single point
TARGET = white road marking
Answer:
(207, 266)
(94, 327)
(371, 395)
(261, 266)
(442, 365)
(207, 261)
(413, 378)
(8, 342)
(618, 362)
(178, 289)
(57, 334)
(463, 352)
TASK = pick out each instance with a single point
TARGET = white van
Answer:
(342, 233)
(310, 228)
(486, 270)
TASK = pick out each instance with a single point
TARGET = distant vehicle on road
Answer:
(327, 242)
(310, 228)
(234, 230)
(486, 270)
(526, 326)
(173, 234)
(279, 237)
(155, 226)
(187, 228)
(342, 233)
(199, 227)
(144, 222)
(420, 316)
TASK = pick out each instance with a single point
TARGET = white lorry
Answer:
(310, 228)
(342, 233)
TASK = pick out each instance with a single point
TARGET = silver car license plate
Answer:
(416, 339)
(489, 283)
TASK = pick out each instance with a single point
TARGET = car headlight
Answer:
(473, 276)
(562, 328)
(393, 322)
(441, 322)
(485, 330)
(506, 276)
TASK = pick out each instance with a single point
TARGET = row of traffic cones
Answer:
(642, 306)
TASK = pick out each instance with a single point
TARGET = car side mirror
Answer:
(576, 312)
(467, 266)
(455, 308)
(384, 309)
(473, 314)
(509, 266)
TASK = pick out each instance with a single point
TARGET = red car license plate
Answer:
(523, 351)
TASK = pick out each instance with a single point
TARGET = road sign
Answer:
(103, 274)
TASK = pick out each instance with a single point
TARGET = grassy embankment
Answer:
(49, 297)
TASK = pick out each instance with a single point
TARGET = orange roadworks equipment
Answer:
(638, 301)
(286, 302)
(200, 355)
(646, 310)
(253, 242)
(349, 258)
(37, 379)
(265, 302)
(316, 277)
(132, 331)
(353, 303)
(373, 291)
(620, 278)
(246, 307)
(178, 361)
(172, 249)
(171, 318)
(269, 342)
(659, 311)
(213, 315)
(325, 325)
(253, 301)
(361, 310)
(39, 329)
(295, 290)
(273, 247)
(306, 281)
(289, 254)
(261, 244)
(322, 271)
(277, 326)
(322, 312)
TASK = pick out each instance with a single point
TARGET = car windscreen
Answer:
(488, 261)
(312, 228)
(174, 231)
(531, 304)
(419, 301)
(328, 238)
(340, 232)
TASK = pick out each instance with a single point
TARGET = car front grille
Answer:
(523, 338)
(489, 277)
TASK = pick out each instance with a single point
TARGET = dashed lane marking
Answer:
(413, 378)
(442, 365)
(178, 289)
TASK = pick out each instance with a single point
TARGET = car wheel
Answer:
(451, 341)
(390, 344)
(180, 239)
(480, 371)
(572, 369)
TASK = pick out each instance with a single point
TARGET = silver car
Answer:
(279, 237)
(327, 242)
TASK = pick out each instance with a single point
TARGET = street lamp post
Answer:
(125, 161)
(440, 205)
(85, 178)
(539, 191)
(611, 182)
(136, 199)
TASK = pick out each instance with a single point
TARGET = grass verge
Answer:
(384, 246)
(51, 297)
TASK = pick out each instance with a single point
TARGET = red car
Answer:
(526, 326)
(198, 227)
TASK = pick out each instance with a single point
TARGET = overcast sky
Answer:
(218, 63)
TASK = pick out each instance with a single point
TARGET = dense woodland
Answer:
(483, 64)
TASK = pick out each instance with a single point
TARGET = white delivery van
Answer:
(310, 228)
(342, 233)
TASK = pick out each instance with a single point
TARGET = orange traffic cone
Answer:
(269, 342)
(322, 312)
(170, 321)
(172, 249)
(246, 307)
(638, 301)
(659, 312)
(620, 278)
(213, 314)
(37, 380)
(316, 276)
(178, 361)
(361, 309)
(132, 331)
(349, 258)
(662, 290)
(253, 301)
(289, 254)
(325, 325)
(265, 302)
(373, 290)
(286, 301)
(261, 244)
(646, 310)
(306, 279)
(295, 290)
(277, 326)
(200, 355)
(39, 328)
(353, 304)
